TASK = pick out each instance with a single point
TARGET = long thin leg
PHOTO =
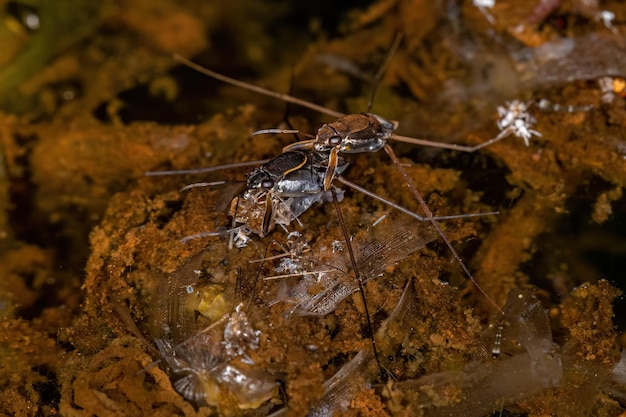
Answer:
(324, 110)
(429, 215)
(405, 210)
(207, 169)
(355, 268)
(461, 148)
(257, 89)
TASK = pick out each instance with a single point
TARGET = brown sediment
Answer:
(592, 339)
(86, 236)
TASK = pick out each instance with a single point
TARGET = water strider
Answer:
(281, 189)
(355, 133)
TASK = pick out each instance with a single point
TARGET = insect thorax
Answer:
(355, 133)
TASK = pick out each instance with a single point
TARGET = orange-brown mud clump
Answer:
(96, 284)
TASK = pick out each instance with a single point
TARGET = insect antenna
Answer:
(203, 184)
(275, 131)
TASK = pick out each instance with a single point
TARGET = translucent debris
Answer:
(482, 387)
(204, 378)
(320, 294)
(356, 376)
(239, 335)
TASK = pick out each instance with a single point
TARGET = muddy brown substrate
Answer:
(88, 239)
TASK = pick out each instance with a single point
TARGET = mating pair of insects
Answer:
(278, 191)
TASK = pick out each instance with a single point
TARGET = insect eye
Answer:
(267, 184)
(334, 140)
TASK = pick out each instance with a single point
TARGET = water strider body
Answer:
(352, 133)
(280, 190)
(367, 132)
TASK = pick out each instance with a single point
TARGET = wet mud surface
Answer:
(96, 284)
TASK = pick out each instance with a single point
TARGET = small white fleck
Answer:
(516, 120)
(607, 17)
(31, 21)
(380, 219)
(338, 245)
(484, 3)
